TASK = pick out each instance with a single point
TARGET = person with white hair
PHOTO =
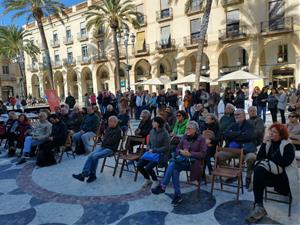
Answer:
(228, 119)
(190, 152)
(39, 135)
(109, 145)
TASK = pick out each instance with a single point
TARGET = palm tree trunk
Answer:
(46, 49)
(203, 31)
(117, 59)
(23, 83)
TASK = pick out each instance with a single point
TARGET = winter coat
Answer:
(59, 133)
(282, 101)
(70, 101)
(294, 132)
(159, 142)
(259, 128)
(144, 128)
(42, 131)
(226, 121)
(239, 101)
(90, 123)
(112, 137)
(197, 147)
(272, 102)
(262, 99)
(295, 100)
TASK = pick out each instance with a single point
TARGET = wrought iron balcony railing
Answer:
(279, 25)
(231, 33)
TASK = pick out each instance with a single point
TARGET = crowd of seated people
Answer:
(177, 140)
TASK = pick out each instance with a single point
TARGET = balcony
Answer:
(8, 77)
(278, 26)
(192, 41)
(233, 33)
(195, 8)
(142, 20)
(145, 50)
(82, 37)
(99, 58)
(83, 60)
(69, 62)
(43, 66)
(163, 47)
(57, 65)
(54, 43)
(33, 67)
(68, 40)
(164, 15)
(226, 3)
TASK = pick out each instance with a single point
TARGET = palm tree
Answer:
(114, 15)
(13, 44)
(203, 31)
(37, 10)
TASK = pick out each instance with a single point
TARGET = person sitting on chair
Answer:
(88, 130)
(275, 167)
(240, 135)
(57, 138)
(189, 153)
(40, 133)
(124, 120)
(109, 145)
(294, 129)
(159, 142)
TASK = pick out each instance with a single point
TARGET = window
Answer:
(33, 61)
(282, 55)
(56, 56)
(101, 48)
(69, 55)
(195, 29)
(84, 51)
(164, 8)
(5, 69)
(68, 33)
(165, 36)
(55, 36)
(195, 5)
(140, 9)
(233, 22)
(82, 29)
(140, 41)
(44, 58)
(276, 14)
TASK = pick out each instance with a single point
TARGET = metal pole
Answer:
(127, 67)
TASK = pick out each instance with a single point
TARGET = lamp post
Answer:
(126, 44)
(19, 59)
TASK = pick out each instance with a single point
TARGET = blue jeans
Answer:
(174, 174)
(91, 163)
(262, 112)
(138, 111)
(29, 142)
(85, 137)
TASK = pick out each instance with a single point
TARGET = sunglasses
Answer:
(178, 115)
(292, 116)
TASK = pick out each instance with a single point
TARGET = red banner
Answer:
(52, 99)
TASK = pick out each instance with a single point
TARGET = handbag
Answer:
(183, 162)
(175, 140)
(150, 156)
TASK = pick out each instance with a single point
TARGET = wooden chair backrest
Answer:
(237, 151)
(141, 140)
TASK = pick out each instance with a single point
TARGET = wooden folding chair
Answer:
(120, 148)
(125, 156)
(99, 134)
(229, 171)
(67, 148)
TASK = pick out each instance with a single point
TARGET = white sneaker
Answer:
(18, 151)
(155, 183)
(147, 183)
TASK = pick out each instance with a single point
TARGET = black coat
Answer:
(59, 133)
(112, 137)
(70, 101)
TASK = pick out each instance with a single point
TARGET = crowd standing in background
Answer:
(178, 137)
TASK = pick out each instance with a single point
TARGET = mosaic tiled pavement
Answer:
(50, 196)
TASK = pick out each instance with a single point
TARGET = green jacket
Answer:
(179, 129)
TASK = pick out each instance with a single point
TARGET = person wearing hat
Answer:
(159, 142)
(189, 154)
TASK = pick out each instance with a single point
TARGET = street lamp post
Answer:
(126, 44)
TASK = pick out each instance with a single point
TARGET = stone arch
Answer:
(190, 64)
(35, 85)
(59, 84)
(142, 70)
(72, 82)
(46, 82)
(233, 58)
(167, 66)
(86, 81)
(102, 78)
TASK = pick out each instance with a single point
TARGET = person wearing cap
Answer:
(192, 147)
(159, 142)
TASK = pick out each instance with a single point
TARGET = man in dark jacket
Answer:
(241, 135)
(258, 124)
(70, 101)
(88, 130)
(57, 138)
(109, 145)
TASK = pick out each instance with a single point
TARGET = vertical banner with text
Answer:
(52, 99)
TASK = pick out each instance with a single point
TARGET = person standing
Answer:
(254, 96)
(70, 101)
(239, 101)
(262, 103)
(100, 100)
(86, 101)
(93, 99)
(272, 104)
(295, 100)
(282, 102)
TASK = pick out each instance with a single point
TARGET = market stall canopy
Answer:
(239, 75)
(191, 79)
(157, 81)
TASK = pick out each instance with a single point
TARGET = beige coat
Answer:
(294, 132)
(295, 101)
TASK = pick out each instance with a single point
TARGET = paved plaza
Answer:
(40, 196)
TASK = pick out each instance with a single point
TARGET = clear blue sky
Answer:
(6, 20)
